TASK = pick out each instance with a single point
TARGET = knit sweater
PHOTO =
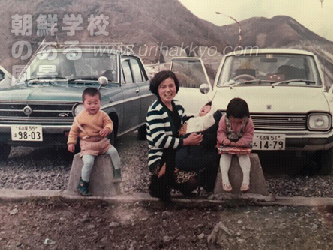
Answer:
(247, 137)
(91, 125)
(160, 131)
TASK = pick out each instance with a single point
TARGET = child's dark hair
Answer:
(238, 108)
(208, 103)
(159, 78)
(91, 92)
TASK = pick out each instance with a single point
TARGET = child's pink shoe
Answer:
(227, 187)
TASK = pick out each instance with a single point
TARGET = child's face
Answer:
(238, 121)
(92, 104)
(204, 110)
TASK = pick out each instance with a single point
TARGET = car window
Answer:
(269, 68)
(190, 73)
(127, 72)
(137, 72)
(70, 65)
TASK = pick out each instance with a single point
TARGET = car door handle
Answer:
(137, 90)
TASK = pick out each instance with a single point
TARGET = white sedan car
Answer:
(191, 73)
(289, 104)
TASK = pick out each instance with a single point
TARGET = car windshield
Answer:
(70, 65)
(263, 69)
(190, 72)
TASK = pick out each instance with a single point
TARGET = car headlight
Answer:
(77, 109)
(319, 121)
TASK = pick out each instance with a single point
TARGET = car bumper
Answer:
(53, 135)
(305, 141)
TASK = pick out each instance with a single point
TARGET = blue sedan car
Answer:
(39, 110)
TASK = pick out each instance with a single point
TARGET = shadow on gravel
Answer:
(40, 156)
(287, 163)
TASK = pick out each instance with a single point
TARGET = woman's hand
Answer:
(182, 130)
(71, 148)
(193, 139)
(162, 171)
(104, 132)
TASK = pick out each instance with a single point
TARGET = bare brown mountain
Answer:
(155, 23)
(275, 32)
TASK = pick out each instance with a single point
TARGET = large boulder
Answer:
(257, 179)
(101, 178)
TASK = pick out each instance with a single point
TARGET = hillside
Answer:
(275, 32)
(150, 25)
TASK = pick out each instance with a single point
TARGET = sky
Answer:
(316, 15)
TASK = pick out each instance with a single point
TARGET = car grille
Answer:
(43, 114)
(279, 121)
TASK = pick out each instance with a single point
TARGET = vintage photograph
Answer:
(174, 124)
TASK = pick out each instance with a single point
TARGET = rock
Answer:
(101, 178)
(166, 214)
(167, 238)
(114, 224)
(257, 179)
(201, 236)
(218, 227)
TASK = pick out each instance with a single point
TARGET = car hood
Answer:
(279, 99)
(42, 93)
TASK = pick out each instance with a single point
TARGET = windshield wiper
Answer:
(45, 78)
(308, 82)
(258, 81)
(89, 78)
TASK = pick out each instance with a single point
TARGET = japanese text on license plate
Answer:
(269, 142)
(26, 133)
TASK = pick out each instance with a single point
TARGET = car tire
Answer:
(4, 151)
(326, 158)
(142, 132)
(112, 138)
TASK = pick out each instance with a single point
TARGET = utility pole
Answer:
(239, 27)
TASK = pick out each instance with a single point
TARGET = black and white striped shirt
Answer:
(160, 131)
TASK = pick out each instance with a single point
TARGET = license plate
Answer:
(269, 142)
(27, 133)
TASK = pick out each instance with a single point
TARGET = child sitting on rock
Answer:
(236, 130)
(93, 126)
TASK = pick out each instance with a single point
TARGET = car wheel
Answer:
(326, 158)
(112, 137)
(4, 151)
(142, 132)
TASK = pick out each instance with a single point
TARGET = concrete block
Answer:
(257, 179)
(101, 178)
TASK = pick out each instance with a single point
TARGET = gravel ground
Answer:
(47, 169)
(60, 224)
(235, 224)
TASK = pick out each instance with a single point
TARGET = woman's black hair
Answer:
(238, 108)
(159, 78)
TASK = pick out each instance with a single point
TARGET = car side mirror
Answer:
(204, 88)
(103, 81)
